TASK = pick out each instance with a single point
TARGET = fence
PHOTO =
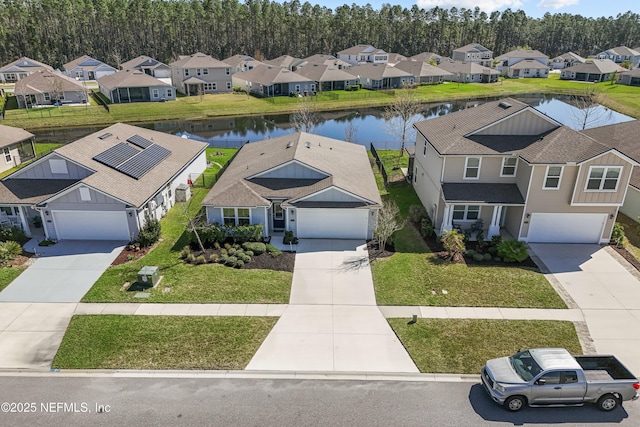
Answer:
(380, 165)
(98, 98)
(207, 180)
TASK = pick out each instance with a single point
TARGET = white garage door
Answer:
(332, 223)
(566, 228)
(88, 225)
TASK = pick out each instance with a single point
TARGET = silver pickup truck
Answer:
(553, 377)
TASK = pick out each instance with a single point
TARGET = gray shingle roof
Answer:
(10, 135)
(571, 57)
(324, 73)
(199, 60)
(346, 166)
(377, 71)
(466, 68)
(623, 51)
(476, 192)
(530, 64)
(522, 53)
(471, 47)
(130, 78)
(142, 61)
(421, 69)
(325, 60)
(360, 49)
(78, 61)
(31, 191)
(597, 66)
(269, 74)
(426, 57)
(26, 64)
(283, 61)
(46, 81)
(236, 60)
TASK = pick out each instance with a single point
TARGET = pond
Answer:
(368, 125)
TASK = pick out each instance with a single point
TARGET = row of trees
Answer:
(57, 31)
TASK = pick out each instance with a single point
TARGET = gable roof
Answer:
(10, 135)
(46, 81)
(570, 56)
(377, 71)
(86, 63)
(141, 62)
(396, 57)
(472, 47)
(345, 166)
(426, 57)
(633, 73)
(199, 60)
(130, 78)
(466, 68)
(523, 53)
(361, 49)
(324, 73)
(283, 61)
(269, 74)
(25, 64)
(529, 63)
(622, 51)
(31, 191)
(421, 69)
(597, 66)
(236, 60)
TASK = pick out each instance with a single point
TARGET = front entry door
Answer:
(278, 216)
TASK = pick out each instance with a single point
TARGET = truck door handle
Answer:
(557, 388)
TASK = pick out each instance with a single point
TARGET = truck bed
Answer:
(603, 368)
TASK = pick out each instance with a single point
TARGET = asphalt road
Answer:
(54, 401)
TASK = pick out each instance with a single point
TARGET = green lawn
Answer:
(161, 342)
(8, 275)
(190, 283)
(464, 345)
(414, 276)
(621, 98)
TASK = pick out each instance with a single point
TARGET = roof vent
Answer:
(104, 136)
(290, 144)
(307, 144)
(504, 105)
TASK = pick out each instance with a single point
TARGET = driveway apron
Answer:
(332, 322)
(606, 292)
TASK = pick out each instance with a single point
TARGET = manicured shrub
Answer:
(201, 259)
(273, 251)
(617, 234)
(150, 233)
(497, 259)
(249, 253)
(184, 253)
(417, 213)
(223, 251)
(478, 257)
(487, 257)
(231, 251)
(257, 248)
(231, 261)
(470, 253)
(223, 259)
(426, 228)
(239, 252)
(289, 238)
(213, 258)
(191, 258)
(512, 251)
(227, 246)
(239, 263)
(9, 250)
(492, 250)
(496, 240)
(14, 234)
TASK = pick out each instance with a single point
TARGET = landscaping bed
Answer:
(161, 342)
(284, 261)
(464, 345)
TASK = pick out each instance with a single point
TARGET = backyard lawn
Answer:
(161, 342)
(8, 275)
(464, 345)
(190, 283)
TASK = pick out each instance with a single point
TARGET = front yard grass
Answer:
(464, 345)
(161, 342)
(9, 274)
(189, 283)
(415, 276)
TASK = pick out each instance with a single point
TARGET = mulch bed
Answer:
(627, 255)
(25, 258)
(128, 255)
(265, 261)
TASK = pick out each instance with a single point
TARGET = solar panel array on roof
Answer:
(140, 141)
(144, 161)
(116, 155)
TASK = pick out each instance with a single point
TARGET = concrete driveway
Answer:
(64, 272)
(332, 322)
(605, 289)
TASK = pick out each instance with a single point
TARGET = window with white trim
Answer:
(603, 178)
(472, 168)
(227, 71)
(236, 216)
(156, 93)
(552, 178)
(58, 166)
(169, 93)
(7, 154)
(228, 85)
(198, 71)
(47, 96)
(509, 166)
(205, 71)
(186, 71)
(466, 212)
(85, 194)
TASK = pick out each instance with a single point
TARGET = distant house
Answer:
(629, 77)
(16, 145)
(523, 63)
(284, 61)
(363, 53)
(87, 68)
(621, 54)
(270, 80)
(427, 57)
(149, 66)
(474, 52)
(200, 74)
(469, 72)
(598, 70)
(381, 76)
(327, 77)
(135, 86)
(330, 60)
(566, 60)
(46, 88)
(240, 63)
(422, 72)
(394, 58)
(14, 71)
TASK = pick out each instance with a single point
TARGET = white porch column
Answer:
(494, 227)
(447, 219)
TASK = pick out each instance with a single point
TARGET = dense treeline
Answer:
(56, 31)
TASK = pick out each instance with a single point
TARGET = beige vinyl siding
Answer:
(523, 175)
(513, 219)
(525, 123)
(631, 206)
(427, 183)
(490, 168)
(598, 197)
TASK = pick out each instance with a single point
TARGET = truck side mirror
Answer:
(541, 381)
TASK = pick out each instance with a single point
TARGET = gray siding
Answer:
(42, 170)
(294, 170)
(524, 123)
(332, 195)
(98, 202)
(631, 206)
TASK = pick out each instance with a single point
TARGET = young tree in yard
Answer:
(588, 112)
(389, 222)
(193, 220)
(400, 117)
(350, 132)
(305, 118)
(453, 243)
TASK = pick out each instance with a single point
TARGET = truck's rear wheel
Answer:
(515, 403)
(607, 402)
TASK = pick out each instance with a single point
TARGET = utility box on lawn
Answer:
(183, 193)
(148, 276)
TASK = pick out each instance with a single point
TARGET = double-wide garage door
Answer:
(88, 225)
(332, 223)
(566, 228)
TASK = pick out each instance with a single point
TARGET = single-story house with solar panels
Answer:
(314, 186)
(102, 186)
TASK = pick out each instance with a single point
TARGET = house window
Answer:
(424, 148)
(85, 194)
(227, 71)
(198, 71)
(58, 166)
(7, 154)
(156, 93)
(228, 85)
(313, 87)
(552, 178)
(236, 216)
(297, 89)
(466, 212)
(205, 71)
(472, 168)
(509, 166)
(169, 93)
(603, 178)
(186, 71)
(47, 96)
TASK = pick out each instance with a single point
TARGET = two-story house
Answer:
(363, 53)
(474, 52)
(149, 66)
(566, 60)
(523, 63)
(520, 172)
(621, 54)
(240, 63)
(200, 74)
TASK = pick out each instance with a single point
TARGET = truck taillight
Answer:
(636, 386)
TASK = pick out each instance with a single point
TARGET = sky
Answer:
(533, 8)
